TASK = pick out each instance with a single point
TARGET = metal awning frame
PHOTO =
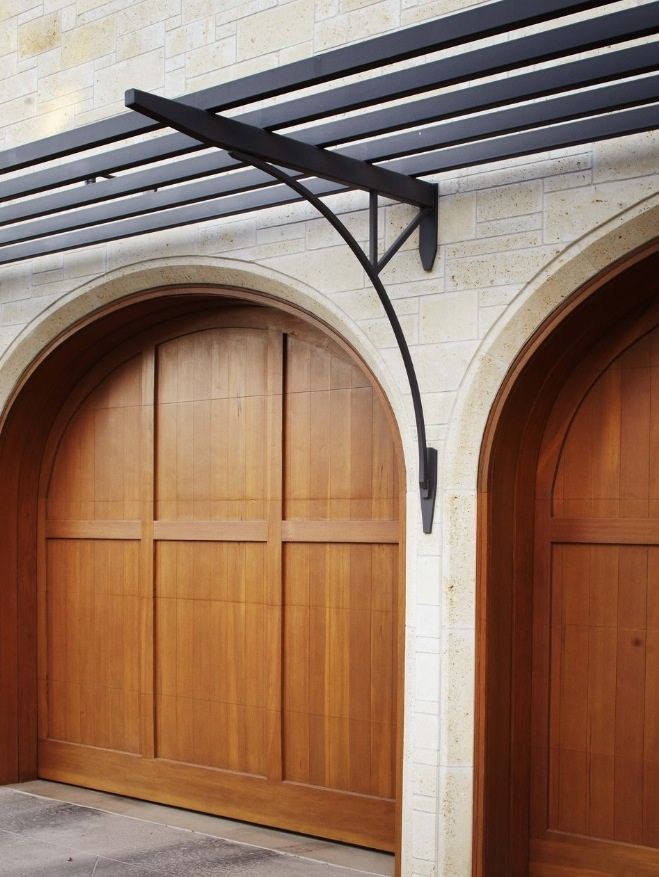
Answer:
(382, 151)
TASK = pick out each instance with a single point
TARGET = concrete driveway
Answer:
(45, 837)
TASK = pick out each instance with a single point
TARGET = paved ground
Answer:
(43, 837)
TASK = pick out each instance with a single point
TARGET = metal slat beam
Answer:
(510, 146)
(500, 57)
(551, 111)
(447, 32)
(230, 134)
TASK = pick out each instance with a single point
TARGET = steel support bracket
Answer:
(270, 153)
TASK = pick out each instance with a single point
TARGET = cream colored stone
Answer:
(431, 285)
(139, 42)
(8, 34)
(457, 217)
(190, 36)
(501, 243)
(515, 170)
(424, 835)
(234, 10)
(233, 72)
(512, 200)
(39, 35)
(452, 316)
(632, 156)
(568, 181)
(360, 304)
(437, 407)
(87, 42)
(510, 225)
(17, 111)
(352, 26)
(457, 702)
(425, 779)
(142, 14)
(459, 574)
(428, 622)
(275, 29)
(441, 367)
(321, 234)
(571, 213)
(497, 268)
(331, 270)
(426, 11)
(406, 267)
(19, 85)
(326, 9)
(146, 72)
(210, 58)
(68, 81)
(296, 53)
(382, 335)
(498, 295)
(487, 317)
(396, 219)
(23, 310)
(90, 10)
(427, 677)
(456, 793)
(33, 127)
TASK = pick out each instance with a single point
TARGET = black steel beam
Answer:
(551, 111)
(447, 32)
(277, 149)
(500, 57)
(473, 154)
(477, 98)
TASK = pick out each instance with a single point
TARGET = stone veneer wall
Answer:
(516, 238)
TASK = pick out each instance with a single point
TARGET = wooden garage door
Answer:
(595, 766)
(219, 580)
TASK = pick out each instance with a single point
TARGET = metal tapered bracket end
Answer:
(428, 230)
(429, 490)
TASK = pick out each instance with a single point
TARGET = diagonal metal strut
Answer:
(267, 151)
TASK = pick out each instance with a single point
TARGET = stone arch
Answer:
(134, 291)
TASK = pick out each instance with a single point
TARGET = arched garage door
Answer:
(219, 579)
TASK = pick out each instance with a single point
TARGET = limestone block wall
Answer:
(516, 238)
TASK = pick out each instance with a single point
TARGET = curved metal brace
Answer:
(234, 136)
(427, 455)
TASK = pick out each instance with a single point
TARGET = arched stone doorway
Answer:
(521, 826)
(39, 441)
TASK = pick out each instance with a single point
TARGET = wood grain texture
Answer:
(166, 549)
(540, 396)
(594, 698)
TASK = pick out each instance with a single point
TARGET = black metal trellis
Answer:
(173, 180)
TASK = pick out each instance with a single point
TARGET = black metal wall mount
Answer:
(268, 152)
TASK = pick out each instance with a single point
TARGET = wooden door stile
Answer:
(274, 577)
(147, 548)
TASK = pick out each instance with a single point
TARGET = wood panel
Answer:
(98, 470)
(211, 425)
(210, 655)
(340, 455)
(340, 666)
(609, 466)
(93, 643)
